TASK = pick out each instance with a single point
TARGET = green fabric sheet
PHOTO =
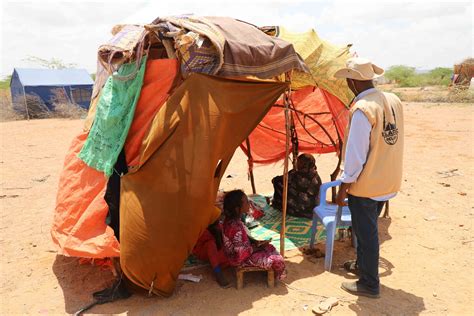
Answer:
(115, 111)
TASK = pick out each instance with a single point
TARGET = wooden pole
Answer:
(249, 156)
(285, 174)
(294, 140)
(26, 104)
(336, 171)
(335, 174)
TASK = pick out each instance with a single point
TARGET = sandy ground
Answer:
(426, 247)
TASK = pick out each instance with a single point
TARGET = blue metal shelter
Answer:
(51, 86)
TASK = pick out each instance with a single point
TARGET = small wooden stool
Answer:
(240, 275)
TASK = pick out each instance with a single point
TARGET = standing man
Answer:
(373, 154)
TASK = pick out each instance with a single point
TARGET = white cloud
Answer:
(423, 34)
(68, 31)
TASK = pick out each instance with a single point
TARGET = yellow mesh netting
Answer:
(323, 60)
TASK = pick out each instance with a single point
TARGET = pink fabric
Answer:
(240, 251)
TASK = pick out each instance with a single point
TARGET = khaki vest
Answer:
(382, 172)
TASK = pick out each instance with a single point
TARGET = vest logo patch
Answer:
(390, 130)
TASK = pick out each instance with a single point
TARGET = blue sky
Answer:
(422, 34)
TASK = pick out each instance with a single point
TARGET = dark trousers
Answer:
(112, 198)
(365, 213)
(112, 194)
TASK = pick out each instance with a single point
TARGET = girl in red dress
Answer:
(242, 250)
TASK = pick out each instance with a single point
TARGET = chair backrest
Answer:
(323, 189)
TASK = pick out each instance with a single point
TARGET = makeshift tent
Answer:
(50, 86)
(189, 118)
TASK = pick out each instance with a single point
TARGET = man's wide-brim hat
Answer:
(359, 69)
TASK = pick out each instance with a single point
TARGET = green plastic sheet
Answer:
(115, 111)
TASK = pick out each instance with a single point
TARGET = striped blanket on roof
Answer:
(205, 54)
(228, 47)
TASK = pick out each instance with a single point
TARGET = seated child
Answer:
(240, 249)
(303, 188)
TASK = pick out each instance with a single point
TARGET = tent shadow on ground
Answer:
(395, 301)
(392, 301)
(344, 251)
(79, 281)
(203, 298)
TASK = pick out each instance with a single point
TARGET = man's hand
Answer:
(342, 194)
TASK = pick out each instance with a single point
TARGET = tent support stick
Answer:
(335, 174)
(250, 161)
(338, 167)
(285, 173)
(334, 177)
(294, 140)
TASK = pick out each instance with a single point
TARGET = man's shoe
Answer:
(351, 266)
(359, 289)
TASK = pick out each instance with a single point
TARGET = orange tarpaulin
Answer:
(79, 227)
(267, 141)
(160, 79)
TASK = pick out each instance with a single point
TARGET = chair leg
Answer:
(330, 234)
(313, 231)
(271, 278)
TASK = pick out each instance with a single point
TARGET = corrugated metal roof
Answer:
(53, 77)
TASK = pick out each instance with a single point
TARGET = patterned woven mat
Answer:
(297, 230)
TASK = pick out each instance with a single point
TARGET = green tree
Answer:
(407, 77)
(440, 76)
(5, 82)
(53, 63)
(400, 73)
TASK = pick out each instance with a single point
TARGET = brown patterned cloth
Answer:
(250, 52)
(237, 49)
(198, 42)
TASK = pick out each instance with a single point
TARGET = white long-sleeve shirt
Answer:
(358, 146)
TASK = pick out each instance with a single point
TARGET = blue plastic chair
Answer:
(331, 216)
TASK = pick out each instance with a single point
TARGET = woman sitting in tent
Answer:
(303, 188)
(240, 248)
